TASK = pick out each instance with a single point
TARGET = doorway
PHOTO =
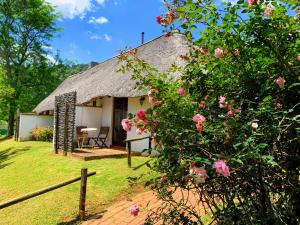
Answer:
(120, 112)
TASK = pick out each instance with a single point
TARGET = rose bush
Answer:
(227, 129)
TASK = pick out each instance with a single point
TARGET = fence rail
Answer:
(128, 142)
(83, 178)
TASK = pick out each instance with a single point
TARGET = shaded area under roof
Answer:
(103, 80)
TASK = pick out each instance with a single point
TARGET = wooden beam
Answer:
(41, 191)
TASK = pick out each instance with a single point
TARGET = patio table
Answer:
(90, 129)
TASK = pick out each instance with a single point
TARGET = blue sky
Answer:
(94, 30)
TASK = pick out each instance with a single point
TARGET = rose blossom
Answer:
(159, 19)
(221, 168)
(222, 102)
(298, 58)
(238, 110)
(181, 92)
(134, 210)
(278, 105)
(254, 125)
(141, 114)
(199, 127)
(151, 91)
(230, 113)
(206, 98)
(280, 82)
(200, 173)
(198, 118)
(201, 105)
(126, 125)
(219, 53)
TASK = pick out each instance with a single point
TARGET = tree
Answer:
(26, 26)
(227, 130)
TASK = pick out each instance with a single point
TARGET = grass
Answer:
(29, 166)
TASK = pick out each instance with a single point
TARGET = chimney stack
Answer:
(143, 37)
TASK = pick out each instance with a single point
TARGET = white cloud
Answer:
(51, 59)
(95, 37)
(100, 20)
(101, 2)
(107, 37)
(72, 8)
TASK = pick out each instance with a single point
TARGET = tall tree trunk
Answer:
(11, 121)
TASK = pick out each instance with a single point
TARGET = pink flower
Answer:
(268, 11)
(204, 51)
(230, 113)
(151, 91)
(198, 118)
(236, 52)
(141, 114)
(278, 105)
(280, 82)
(199, 127)
(298, 58)
(222, 100)
(139, 131)
(206, 98)
(134, 210)
(238, 111)
(219, 53)
(181, 92)
(201, 105)
(126, 125)
(159, 20)
(221, 168)
(200, 174)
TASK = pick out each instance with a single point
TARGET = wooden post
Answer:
(17, 125)
(129, 153)
(150, 142)
(82, 193)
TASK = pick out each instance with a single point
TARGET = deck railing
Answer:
(83, 178)
(128, 143)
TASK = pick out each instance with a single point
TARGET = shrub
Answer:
(228, 129)
(42, 134)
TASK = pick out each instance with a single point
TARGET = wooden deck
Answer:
(95, 153)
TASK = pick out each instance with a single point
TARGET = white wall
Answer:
(107, 117)
(28, 122)
(90, 117)
(134, 106)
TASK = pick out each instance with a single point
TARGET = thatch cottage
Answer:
(104, 96)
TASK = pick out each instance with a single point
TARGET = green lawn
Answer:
(29, 166)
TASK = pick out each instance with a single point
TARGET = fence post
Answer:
(82, 193)
(129, 153)
(66, 125)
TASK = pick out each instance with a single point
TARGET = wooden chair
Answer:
(81, 136)
(102, 136)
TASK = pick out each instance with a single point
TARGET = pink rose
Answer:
(222, 100)
(280, 82)
(298, 58)
(198, 118)
(201, 105)
(219, 53)
(206, 98)
(230, 113)
(159, 20)
(278, 105)
(151, 91)
(221, 168)
(134, 210)
(181, 92)
(238, 111)
(268, 11)
(141, 114)
(200, 174)
(126, 125)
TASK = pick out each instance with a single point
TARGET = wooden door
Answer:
(120, 112)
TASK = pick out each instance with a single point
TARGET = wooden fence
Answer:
(83, 185)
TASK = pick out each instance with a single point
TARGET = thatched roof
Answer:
(103, 80)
